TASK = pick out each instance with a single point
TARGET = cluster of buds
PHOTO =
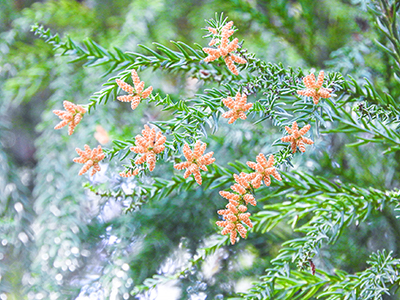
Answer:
(130, 173)
(235, 215)
(149, 144)
(263, 170)
(71, 116)
(296, 137)
(196, 161)
(224, 47)
(237, 106)
(90, 158)
(314, 88)
(136, 92)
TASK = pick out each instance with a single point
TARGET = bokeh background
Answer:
(59, 240)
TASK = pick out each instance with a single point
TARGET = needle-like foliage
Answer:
(298, 197)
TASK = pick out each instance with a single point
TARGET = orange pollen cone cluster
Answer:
(296, 137)
(235, 214)
(90, 158)
(314, 88)
(71, 116)
(224, 48)
(136, 92)
(149, 144)
(130, 173)
(237, 107)
(196, 161)
(264, 169)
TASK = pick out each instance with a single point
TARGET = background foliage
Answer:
(68, 237)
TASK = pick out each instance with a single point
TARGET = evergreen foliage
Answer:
(325, 223)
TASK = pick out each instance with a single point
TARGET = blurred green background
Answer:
(60, 241)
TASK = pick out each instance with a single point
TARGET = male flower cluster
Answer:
(150, 144)
(130, 173)
(136, 93)
(296, 137)
(238, 107)
(71, 116)
(225, 48)
(314, 88)
(235, 214)
(264, 169)
(196, 161)
(90, 158)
